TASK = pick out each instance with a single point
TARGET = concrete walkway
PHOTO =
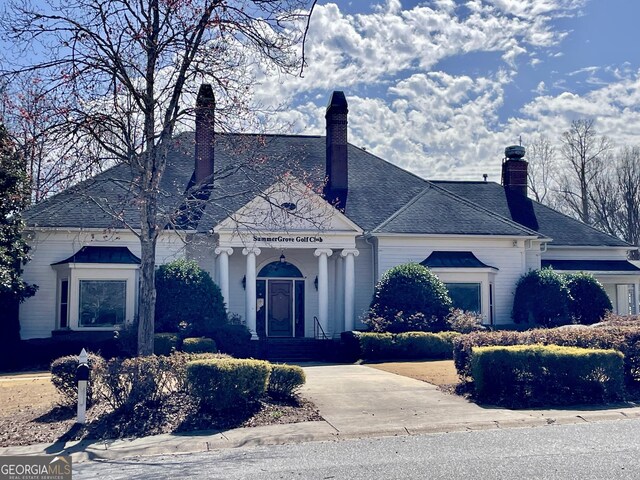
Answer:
(358, 400)
(355, 401)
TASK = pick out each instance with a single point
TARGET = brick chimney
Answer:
(514, 170)
(205, 114)
(337, 162)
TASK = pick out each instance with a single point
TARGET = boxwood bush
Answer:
(222, 385)
(285, 380)
(165, 343)
(542, 298)
(589, 303)
(63, 377)
(187, 296)
(534, 375)
(409, 297)
(199, 345)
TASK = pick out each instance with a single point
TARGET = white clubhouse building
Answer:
(296, 230)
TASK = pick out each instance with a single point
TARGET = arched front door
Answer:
(280, 301)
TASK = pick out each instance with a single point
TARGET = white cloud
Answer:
(437, 124)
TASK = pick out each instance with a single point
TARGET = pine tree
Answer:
(14, 195)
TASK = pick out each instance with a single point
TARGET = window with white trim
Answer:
(102, 303)
(466, 296)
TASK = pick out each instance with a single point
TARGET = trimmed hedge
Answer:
(531, 375)
(63, 377)
(285, 380)
(199, 345)
(376, 346)
(222, 385)
(622, 339)
(233, 339)
(165, 343)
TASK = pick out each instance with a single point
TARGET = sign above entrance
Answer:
(289, 239)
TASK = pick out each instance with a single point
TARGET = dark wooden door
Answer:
(280, 308)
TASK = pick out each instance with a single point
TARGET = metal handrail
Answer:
(317, 329)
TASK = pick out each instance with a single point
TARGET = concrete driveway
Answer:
(357, 400)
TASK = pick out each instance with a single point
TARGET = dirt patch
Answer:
(31, 414)
(438, 372)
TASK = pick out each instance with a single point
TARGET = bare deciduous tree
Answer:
(616, 196)
(543, 169)
(129, 70)
(583, 151)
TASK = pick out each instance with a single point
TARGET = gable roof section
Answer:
(564, 230)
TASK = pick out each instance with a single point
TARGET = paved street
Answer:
(607, 450)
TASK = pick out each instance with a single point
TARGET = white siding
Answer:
(38, 313)
(507, 255)
(585, 254)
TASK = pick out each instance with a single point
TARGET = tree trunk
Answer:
(147, 301)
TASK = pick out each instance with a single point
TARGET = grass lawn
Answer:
(438, 372)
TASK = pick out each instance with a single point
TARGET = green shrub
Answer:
(141, 380)
(63, 377)
(542, 298)
(387, 346)
(186, 294)
(409, 297)
(233, 339)
(199, 345)
(376, 345)
(422, 345)
(464, 322)
(222, 385)
(533, 375)
(622, 339)
(285, 380)
(589, 302)
(165, 343)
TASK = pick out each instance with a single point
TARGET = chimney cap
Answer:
(514, 152)
(337, 102)
(205, 94)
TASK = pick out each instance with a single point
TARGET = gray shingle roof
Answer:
(450, 259)
(564, 230)
(102, 254)
(382, 198)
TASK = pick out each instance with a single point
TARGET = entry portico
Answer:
(295, 267)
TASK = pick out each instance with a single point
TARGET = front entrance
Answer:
(280, 314)
(280, 301)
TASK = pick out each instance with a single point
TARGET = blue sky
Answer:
(441, 87)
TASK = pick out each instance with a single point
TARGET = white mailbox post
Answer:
(82, 375)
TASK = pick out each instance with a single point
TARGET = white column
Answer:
(338, 307)
(223, 272)
(323, 286)
(636, 299)
(349, 288)
(250, 291)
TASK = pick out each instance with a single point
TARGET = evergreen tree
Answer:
(14, 195)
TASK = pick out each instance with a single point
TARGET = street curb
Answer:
(318, 431)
